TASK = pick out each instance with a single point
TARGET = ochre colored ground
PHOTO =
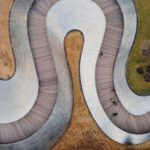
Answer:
(82, 132)
(7, 65)
(136, 59)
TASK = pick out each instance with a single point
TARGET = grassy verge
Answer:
(136, 59)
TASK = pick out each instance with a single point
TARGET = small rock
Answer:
(115, 114)
(146, 52)
(140, 70)
(148, 69)
(114, 101)
(147, 78)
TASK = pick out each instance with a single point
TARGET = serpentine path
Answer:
(38, 29)
(107, 92)
(128, 119)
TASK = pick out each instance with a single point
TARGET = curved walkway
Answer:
(108, 111)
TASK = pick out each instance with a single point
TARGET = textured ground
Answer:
(82, 133)
(7, 65)
(136, 59)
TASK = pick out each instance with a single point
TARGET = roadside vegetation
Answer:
(138, 73)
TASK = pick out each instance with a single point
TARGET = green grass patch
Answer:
(136, 59)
